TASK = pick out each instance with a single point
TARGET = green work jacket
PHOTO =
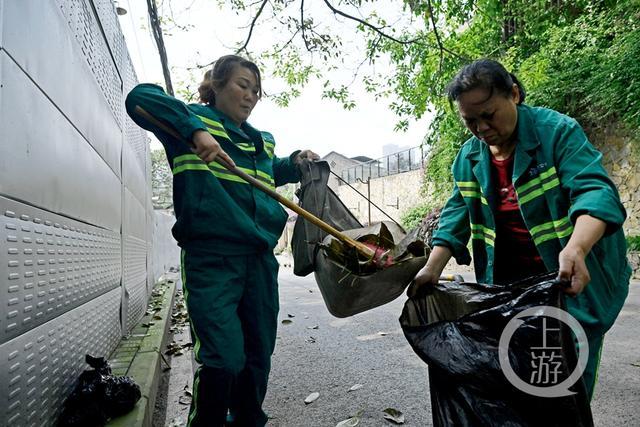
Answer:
(215, 210)
(558, 176)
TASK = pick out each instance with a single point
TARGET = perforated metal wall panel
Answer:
(80, 246)
(52, 56)
(39, 369)
(133, 176)
(45, 161)
(108, 19)
(51, 265)
(86, 29)
(134, 258)
(134, 136)
(166, 252)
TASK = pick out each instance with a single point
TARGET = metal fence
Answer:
(392, 164)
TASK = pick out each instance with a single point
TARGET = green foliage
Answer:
(633, 243)
(579, 57)
(411, 218)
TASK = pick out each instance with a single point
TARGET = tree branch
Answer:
(367, 24)
(438, 40)
(156, 29)
(302, 25)
(253, 24)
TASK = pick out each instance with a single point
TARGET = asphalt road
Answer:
(317, 352)
(343, 352)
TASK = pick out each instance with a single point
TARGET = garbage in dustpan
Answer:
(348, 283)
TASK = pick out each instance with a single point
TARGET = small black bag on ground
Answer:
(456, 330)
(98, 396)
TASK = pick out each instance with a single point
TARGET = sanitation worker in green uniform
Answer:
(227, 230)
(531, 192)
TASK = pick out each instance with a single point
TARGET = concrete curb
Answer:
(140, 355)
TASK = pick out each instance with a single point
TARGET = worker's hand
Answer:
(573, 270)
(305, 154)
(208, 149)
(425, 278)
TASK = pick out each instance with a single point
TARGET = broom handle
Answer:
(360, 247)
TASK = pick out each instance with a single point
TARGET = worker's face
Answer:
(239, 95)
(491, 119)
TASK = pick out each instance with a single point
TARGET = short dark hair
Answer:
(485, 74)
(218, 76)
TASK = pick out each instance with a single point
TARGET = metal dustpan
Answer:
(348, 283)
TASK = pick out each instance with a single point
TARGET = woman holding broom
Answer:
(227, 231)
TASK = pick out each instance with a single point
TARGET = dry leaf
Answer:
(312, 397)
(287, 321)
(353, 421)
(184, 400)
(312, 327)
(291, 315)
(355, 387)
(393, 415)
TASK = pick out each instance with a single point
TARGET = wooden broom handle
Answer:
(360, 247)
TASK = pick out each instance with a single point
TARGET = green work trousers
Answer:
(233, 308)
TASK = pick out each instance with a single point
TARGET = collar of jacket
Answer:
(527, 142)
(245, 131)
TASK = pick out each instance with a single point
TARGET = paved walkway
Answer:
(316, 352)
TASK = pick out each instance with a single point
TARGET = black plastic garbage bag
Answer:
(98, 396)
(348, 284)
(456, 328)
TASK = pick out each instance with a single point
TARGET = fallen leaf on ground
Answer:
(312, 327)
(287, 321)
(184, 400)
(393, 415)
(291, 315)
(312, 397)
(355, 387)
(382, 333)
(311, 340)
(637, 364)
(351, 422)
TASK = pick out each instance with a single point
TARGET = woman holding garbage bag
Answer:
(531, 192)
(227, 231)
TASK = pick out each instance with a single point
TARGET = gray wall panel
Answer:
(133, 176)
(80, 244)
(108, 18)
(52, 264)
(85, 27)
(135, 136)
(44, 160)
(166, 252)
(53, 57)
(39, 369)
(134, 259)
